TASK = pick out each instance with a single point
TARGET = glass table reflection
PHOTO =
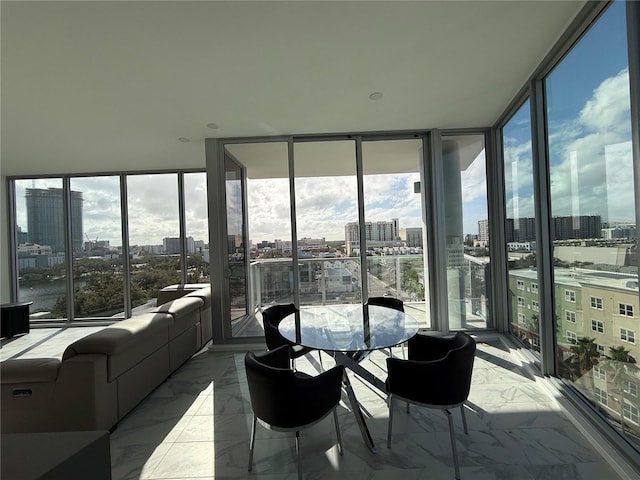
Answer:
(350, 333)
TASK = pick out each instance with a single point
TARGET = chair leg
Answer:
(298, 456)
(464, 419)
(454, 448)
(252, 442)
(335, 419)
(390, 420)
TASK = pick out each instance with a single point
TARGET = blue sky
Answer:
(587, 97)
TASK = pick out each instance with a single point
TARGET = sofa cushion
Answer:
(172, 292)
(127, 342)
(185, 312)
(203, 293)
(205, 312)
(29, 370)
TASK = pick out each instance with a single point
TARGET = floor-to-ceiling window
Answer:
(196, 227)
(593, 215)
(154, 235)
(466, 230)
(524, 298)
(394, 222)
(98, 275)
(269, 230)
(326, 206)
(80, 218)
(236, 240)
(40, 246)
(304, 201)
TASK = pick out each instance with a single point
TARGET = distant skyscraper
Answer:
(45, 218)
(171, 245)
(520, 229)
(483, 231)
(584, 226)
(375, 232)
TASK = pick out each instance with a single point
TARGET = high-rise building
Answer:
(483, 231)
(376, 232)
(580, 227)
(45, 218)
(413, 237)
(171, 245)
(521, 229)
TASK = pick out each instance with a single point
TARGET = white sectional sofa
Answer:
(103, 376)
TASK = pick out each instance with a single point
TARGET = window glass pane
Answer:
(196, 227)
(467, 234)
(269, 227)
(396, 260)
(153, 228)
(520, 227)
(593, 217)
(98, 279)
(236, 241)
(41, 247)
(326, 202)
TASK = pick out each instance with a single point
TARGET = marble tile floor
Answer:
(197, 425)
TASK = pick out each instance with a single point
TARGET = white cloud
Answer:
(599, 179)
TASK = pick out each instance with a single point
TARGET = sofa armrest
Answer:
(84, 397)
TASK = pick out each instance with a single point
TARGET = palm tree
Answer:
(586, 351)
(622, 366)
(620, 354)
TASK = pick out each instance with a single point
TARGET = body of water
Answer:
(43, 294)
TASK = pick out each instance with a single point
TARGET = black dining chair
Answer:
(437, 375)
(271, 318)
(287, 401)
(390, 302)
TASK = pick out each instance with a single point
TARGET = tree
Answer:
(621, 367)
(620, 354)
(586, 353)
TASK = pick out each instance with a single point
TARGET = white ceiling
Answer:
(93, 86)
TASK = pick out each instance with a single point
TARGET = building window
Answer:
(521, 301)
(599, 373)
(630, 412)
(521, 319)
(570, 296)
(627, 335)
(570, 316)
(520, 285)
(535, 306)
(601, 349)
(625, 309)
(631, 388)
(571, 337)
(597, 326)
(534, 288)
(596, 303)
(600, 394)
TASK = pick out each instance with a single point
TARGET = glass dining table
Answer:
(349, 333)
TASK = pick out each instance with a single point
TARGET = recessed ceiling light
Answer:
(213, 126)
(375, 96)
(184, 139)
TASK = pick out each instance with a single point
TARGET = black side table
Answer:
(14, 318)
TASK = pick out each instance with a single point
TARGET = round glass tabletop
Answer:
(349, 327)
